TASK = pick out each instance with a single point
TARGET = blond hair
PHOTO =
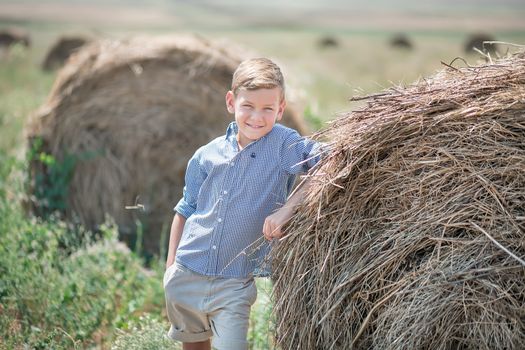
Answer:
(257, 73)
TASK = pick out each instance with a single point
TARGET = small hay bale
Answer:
(327, 42)
(12, 36)
(61, 50)
(132, 113)
(477, 41)
(412, 235)
(401, 41)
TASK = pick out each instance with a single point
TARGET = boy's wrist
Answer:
(284, 214)
(170, 262)
(287, 210)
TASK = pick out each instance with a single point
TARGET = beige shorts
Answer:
(201, 307)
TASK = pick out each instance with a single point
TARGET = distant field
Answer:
(322, 79)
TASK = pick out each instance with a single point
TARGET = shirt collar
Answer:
(231, 132)
(231, 136)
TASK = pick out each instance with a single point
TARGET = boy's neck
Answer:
(241, 147)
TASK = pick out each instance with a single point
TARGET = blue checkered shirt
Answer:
(228, 194)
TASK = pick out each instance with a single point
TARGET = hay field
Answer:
(324, 79)
(364, 62)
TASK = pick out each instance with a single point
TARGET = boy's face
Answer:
(256, 112)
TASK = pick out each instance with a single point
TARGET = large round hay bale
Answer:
(61, 50)
(122, 120)
(11, 36)
(412, 235)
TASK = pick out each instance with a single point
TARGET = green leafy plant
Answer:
(49, 178)
(61, 289)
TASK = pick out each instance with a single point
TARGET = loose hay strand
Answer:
(521, 261)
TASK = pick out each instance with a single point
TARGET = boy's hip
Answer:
(207, 293)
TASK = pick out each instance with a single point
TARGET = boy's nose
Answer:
(256, 115)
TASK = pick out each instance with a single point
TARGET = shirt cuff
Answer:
(184, 209)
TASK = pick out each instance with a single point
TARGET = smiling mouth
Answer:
(254, 126)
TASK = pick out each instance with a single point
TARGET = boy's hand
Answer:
(274, 223)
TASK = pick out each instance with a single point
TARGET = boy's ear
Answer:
(280, 112)
(230, 102)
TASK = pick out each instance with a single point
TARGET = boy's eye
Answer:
(269, 109)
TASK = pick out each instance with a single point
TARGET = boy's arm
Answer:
(187, 205)
(177, 227)
(297, 155)
(274, 223)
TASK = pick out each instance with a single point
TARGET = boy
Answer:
(234, 193)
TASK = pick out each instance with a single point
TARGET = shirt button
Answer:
(214, 247)
(225, 192)
(219, 220)
(232, 163)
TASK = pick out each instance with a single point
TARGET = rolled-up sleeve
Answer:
(193, 180)
(299, 154)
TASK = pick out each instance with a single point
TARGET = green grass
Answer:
(23, 87)
(262, 324)
(148, 333)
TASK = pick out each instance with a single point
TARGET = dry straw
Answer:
(412, 235)
(134, 112)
